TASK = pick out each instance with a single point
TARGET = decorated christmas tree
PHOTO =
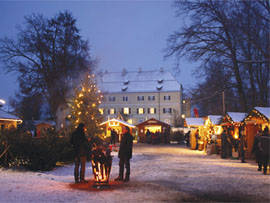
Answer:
(84, 107)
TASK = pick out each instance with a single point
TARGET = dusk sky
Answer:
(122, 34)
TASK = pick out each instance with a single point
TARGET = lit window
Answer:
(126, 110)
(152, 111)
(140, 98)
(167, 98)
(101, 111)
(125, 98)
(111, 98)
(167, 110)
(151, 98)
(112, 111)
(140, 111)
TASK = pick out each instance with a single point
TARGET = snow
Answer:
(5, 115)
(138, 81)
(215, 119)
(159, 173)
(264, 110)
(237, 117)
(194, 121)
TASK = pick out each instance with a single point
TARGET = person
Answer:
(113, 135)
(125, 154)
(243, 147)
(229, 143)
(224, 144)
(264, 147)
(187, 135)
(148, 135)
(256, 150)
(80, 145)
(197, 139)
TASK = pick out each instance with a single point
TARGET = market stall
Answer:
(156, 127)
(257, 119)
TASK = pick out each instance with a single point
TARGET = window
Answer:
(101, 111)
(111, 98)
(151, 98)
(151, 110)
(112, 111)
(125, 98)
(140, 111)
(126, 110)
(140, 98)
(167, 97)
(167, 110)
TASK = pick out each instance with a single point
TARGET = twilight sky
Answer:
(122, 34)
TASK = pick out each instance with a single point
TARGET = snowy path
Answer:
(169, 173)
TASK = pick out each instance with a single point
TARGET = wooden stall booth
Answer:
(195, 124)
(117, 125)
(256, 120)
(234, 122)
(8, 121)
(155, 127)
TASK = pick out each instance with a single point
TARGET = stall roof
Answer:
(118, 120)
(9, 117)
(264, 110)
(237, 117)
(215, 119)
(194, 121)
(153, 121)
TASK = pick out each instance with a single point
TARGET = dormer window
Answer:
(159, 87)
(160, 81)
(124, 88)
(126, 82)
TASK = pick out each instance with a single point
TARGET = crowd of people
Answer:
(155, 137)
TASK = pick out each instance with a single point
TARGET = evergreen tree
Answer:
(84, 107)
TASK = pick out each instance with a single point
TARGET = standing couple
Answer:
(82, 146)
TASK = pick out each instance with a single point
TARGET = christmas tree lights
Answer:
(84, 107)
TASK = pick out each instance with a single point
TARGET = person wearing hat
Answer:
(79, 143)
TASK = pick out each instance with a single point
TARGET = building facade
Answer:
(137, 96)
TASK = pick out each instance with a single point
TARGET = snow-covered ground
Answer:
(160, 173)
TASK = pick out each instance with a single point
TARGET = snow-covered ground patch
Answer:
(160, 173)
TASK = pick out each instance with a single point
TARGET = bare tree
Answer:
(220, 30)
(48, 55)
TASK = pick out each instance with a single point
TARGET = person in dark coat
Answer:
(229, 143)
(80, 145)
(187, 135)
(125, 154)
(243, 147)
(197, 137)
(224, 144)
(256, 150)
(113, 136)
(148, 135)
(264, 146)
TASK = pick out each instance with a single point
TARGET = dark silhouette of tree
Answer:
(235, 33)
(49, 55)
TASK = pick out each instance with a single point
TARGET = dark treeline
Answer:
(231, 38)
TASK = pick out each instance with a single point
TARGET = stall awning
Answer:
(113, 120)
(4, 116)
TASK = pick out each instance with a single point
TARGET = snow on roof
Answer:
(264, 110)
(237, 117)
(138, 81)
(215, 119)
(118, 120)
(7, 116)
(194, 121)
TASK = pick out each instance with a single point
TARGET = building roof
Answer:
(194, 121)
(138, 81)
(264, 110)
(215, 119)
(237, 117)
(153, 121)
(7, 116)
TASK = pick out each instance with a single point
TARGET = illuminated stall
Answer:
(117, 125)
(234, 121)
(257, 119)
(154, 125)
(8, 121)
(212, 131)
(195, 124)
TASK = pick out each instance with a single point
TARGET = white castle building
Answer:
(140, 95)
